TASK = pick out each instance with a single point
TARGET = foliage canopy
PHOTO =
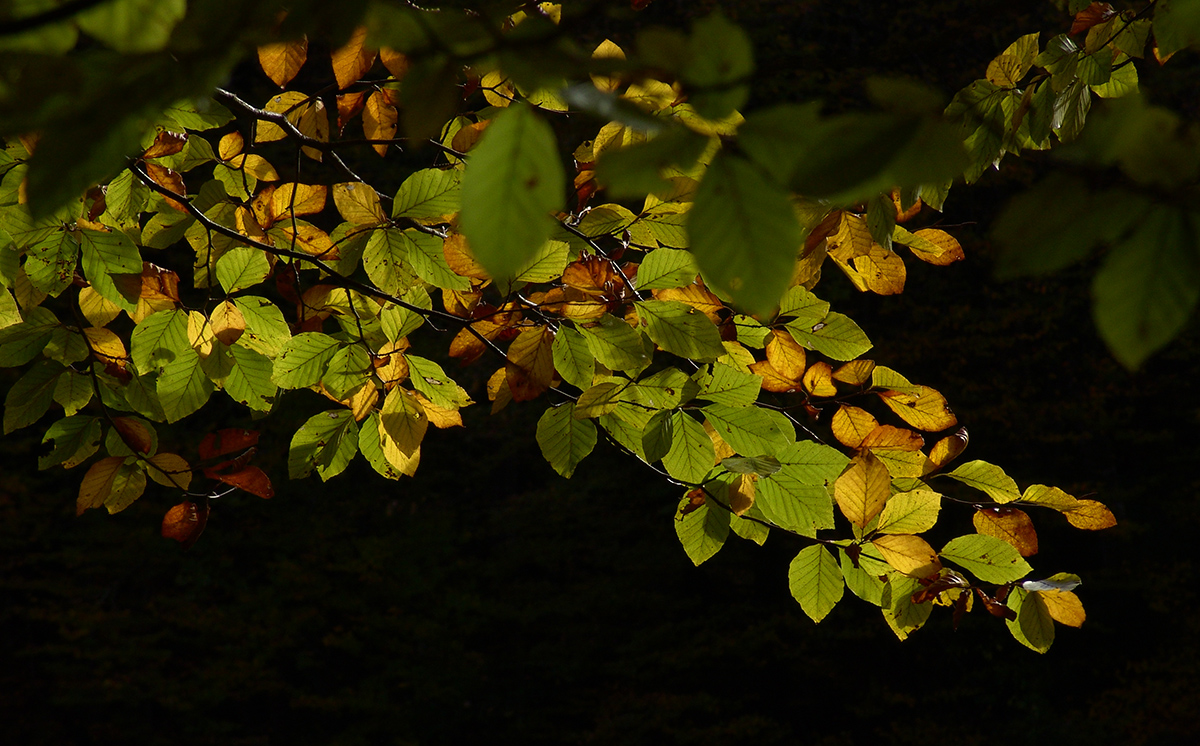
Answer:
(652, 282)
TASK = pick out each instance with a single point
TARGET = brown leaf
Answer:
(379, 120)
(159, 283)
(97, 483)
(995, 607)
(250, 479)
(1092, 15)
(348, 105)
(169, 180)
(133, 434)
(1008, 524)
(165, 143)
(185, 522)
(353, 60)
(696, 499)
(226, 441)
(283, 60)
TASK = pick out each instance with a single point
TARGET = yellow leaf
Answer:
(360, 403)
(247, 224)
(741, 493)
(652, 95)
(910, 555)
(936, 247)
(310, 239)
(497, 388)
(862, 489)
(530, 366)
(1051, 497)
(853, 238)
(200, 333)
(228, 324)
(855, 372)
(282, 61)
(379, 121)
(773, 380)
(349, 104)
(891, 438)
(405, 463)
(786, 355)
(313, 122)
(358, 203)
(1064, 607)
(353, 60)
(403, 419)
(287, 103)
(722, 449)
(698, 297)
(607, 50)
(170, 470)
(818, 381)
(851, 425)
(927, 411)
(97, 483)
(910, 512)
(440, 417)
(394, 368)
(497, 89)
(254, 165)
(1008, 524)
(230, 145)
(1090, 515)
(97, 309)
(882, 270)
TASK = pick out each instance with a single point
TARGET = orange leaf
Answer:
(851, 425)
(1064, 607)
(819, 380)
(379, 120)
(1092, 15)
(773, 380)
(460, 259)
(170, 181)
(282, 61)
(862, 489)
(928, 411)
(310, 239)
(251, 479)
(1090, 515)
(741, 493)
(395, 62)
(948, 448)
(230, 145)
(185, 522)
(882, 270)
(159, 283)
(1008, 524)
(891, 438)
(165, 143)
(353, 60)
(298, 199)
(855, 372)
(786, 355)
(466, 137)
(903, 216)
(349, 104)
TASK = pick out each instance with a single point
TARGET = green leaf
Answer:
(910, 512)
(751, 431)
(249, 381)
(242, 267)
(657, 436)
(198, 114)
(681, 329)
(864, 579)
(816, 581)
(349, 369)
(573, 359)
(721, 59)
(75, 440)
(22, 342)
(547, 264)
(30, 397)
(513, 181)
(1149, 285)
(113, 265)
(50, 263)
(128, 484)
(159, 339)
(666, 268)
(1176, 25)
(990, 559)
(615, 344)
(989, 479)
(303, 360)
(429, 378)
(183, 386)
(666, 389)
(429, 261)
(266, 330)
(564, 440)
(803, 306)
(625, 425)
(763, 467)
(980, 111)
(730, 387)
(432, 193)
(326, 442)
(404, 420)
(788, 500)
(1033, 627)
(372, 447)
(599, 400)
(702, 532)
(691, 455)
(901, 614)
(73, 391)
(813, 463)
(133, 26)
(881, 219)
(837, 336)
(397, 321)
(744, 233)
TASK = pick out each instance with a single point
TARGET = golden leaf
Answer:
(722, 449)
(607, 50)
(348, 105)
(297, 199)
(891, 438)
(254, 165)
(165, 143)
(1051, 497)
(786, 355)
(1008, 524)
(106, 346)
(862, 489)
(390, 365)
(851, 425)
(395, 62)
(818, 380)
(1090, 515)
(741, 493)
(440, 417)
(936, 247)
(97, 309)
(311, 240)
(910, 555)
(948, 448)
(1064, 607)
(353, 60)
(882, 270)
(282, 61)
(170, 470)
(228, 324)
(404, 420)
(497, 388)
(497, 89)
(855, 372)
(927, 411)
(97, 483)
(853, 238)
(200, 333)
(530, 363)
(773, 380)
(460, 259)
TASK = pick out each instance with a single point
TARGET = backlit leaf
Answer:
(666, 268)
(851, 424)
(990, 559)
(379, 119)
(615, 344)
(326, 442)
(987, 478)
(910, 512)
(302, 361)
(358, 203)
(352, 60)
(750, 430)
(862, 489)
(282, 61)
(1090, 515)
(701, 530)
(835, 336)
(691, 455)
(563, 439)
(430, 194)
(816, 581)
(1033, 627)
(789, 500)
(403, 419)
(1008, 524)
(97, 483)
(910, 555)
(926, 410)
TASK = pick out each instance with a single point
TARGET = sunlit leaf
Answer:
(816, 581)
(862, 489)
(910, 555)
(987, 478)
(910, 512)
(987, 558)
(701, 530)
(1008, 524)
(563, 439)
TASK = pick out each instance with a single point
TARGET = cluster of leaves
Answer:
(678, 319)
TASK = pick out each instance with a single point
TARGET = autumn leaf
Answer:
(910, 555)
(185, 522)
(862, 489)
(352, 60)
(1009, 524)
(283, 60)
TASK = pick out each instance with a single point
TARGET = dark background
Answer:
(489, 600)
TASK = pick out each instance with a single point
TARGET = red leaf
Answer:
(1092, 15)
(251, 479)
(185, 522)
(229, 440)
(133, 433)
